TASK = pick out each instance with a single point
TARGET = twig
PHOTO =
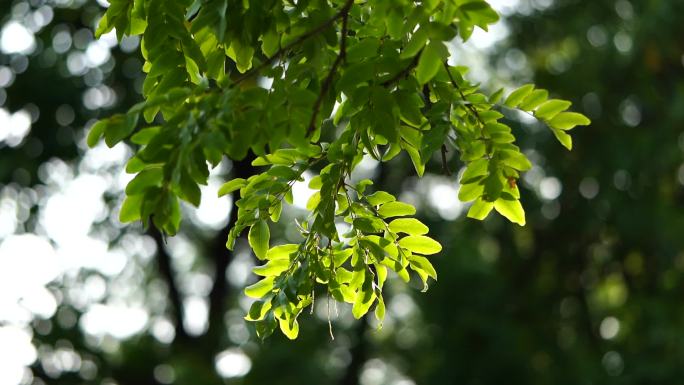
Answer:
(341, 56)
(403, 73)
(341, 13)
(167, 274)
(468, 106)
(445, 165)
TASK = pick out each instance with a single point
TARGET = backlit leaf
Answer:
(420, 244)
(259, 235)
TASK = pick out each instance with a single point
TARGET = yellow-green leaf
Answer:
(511, 209)
(396, 209)
(534, 99)
(231, 186)
(259, 235)
(551, 108)
(420, 244)
(281, 251)
(480, 209)
(273, 267)
(568, 120)
(470, 191)
(430, 61)
(410, 226)
(563, 138)
(291, 330)
(261, 288)
(518, 95)
(130, 209)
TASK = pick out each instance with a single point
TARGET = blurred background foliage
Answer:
(589, 292)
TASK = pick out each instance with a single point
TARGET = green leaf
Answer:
(276, 210)
(341, 256)
(422, 263)
(313, 201)
(415, 44)
(369, 225)
(190, 190)
(265, 327)
(258, 237)
(431, 61)
(131, 208)
(551, 108)
(475, 170)
(518, 95)
(409, 107)
(272, 267)
(394, 21)
(281, 251)
(231, 186)
(468, 192)
(511, 209)
(409, 226)
(270, 41)
(415, 158)
(261, 288)
(420, 244)
(480, 209)
(563, 138)
(151, 177)
(366, 48)
(144, 136)
(284, 172)
(364, 298)
(534, 99)
(396, 209)
(568, 120)
(290, 330)
(491, 116)
(258, 310)
(380, 197)
(380, 311)
(241, 55)
(496, 96)
(515, 159)
(96, 132)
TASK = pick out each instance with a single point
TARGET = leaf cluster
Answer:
(325, 84)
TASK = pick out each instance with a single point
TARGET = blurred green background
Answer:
(591, 291)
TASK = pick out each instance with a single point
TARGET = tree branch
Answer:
(403, 73)
(468, 106)
(222, 257)
(342, 13)
(341, 56)
(445, 164)
(166, 272)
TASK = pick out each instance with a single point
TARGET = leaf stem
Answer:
(341, 57)
(342, 13)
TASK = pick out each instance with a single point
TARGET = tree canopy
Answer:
(317, 86)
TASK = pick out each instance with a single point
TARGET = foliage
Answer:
(316, 85)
